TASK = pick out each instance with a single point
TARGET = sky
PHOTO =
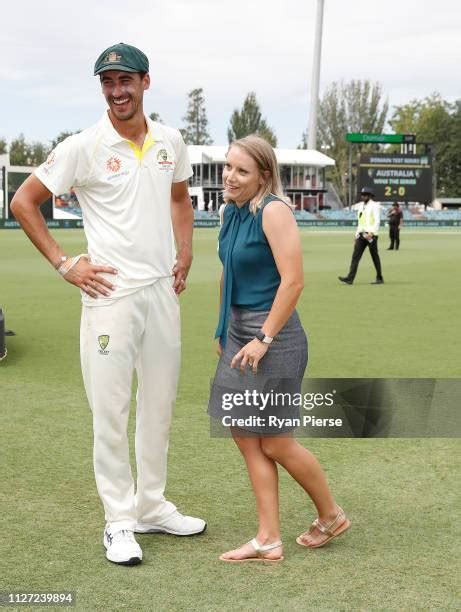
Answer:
(48, 50)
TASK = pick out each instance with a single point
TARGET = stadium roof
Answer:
(294, 157)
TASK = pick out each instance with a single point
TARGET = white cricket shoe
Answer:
(121, 547)
(176, 524)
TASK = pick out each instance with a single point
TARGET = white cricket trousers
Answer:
(138, 332)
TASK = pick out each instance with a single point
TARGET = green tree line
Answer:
(353, 106)
(360, 106)
(247, 120)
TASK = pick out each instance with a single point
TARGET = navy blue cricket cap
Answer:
(367, 191)
(122, 57)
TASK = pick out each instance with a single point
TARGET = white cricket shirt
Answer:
(125, 194)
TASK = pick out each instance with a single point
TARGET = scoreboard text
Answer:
(397, 177)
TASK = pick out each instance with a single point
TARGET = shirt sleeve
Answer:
(360, 223)
(183, 168)
(61, 169)
(374, 228)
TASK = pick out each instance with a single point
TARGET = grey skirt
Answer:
(263, 403)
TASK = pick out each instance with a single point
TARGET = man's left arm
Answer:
(374, 227)
(182, 218)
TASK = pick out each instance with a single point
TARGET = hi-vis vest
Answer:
(368, 221)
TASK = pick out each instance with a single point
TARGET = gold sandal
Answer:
(259, 550)
(331, 530)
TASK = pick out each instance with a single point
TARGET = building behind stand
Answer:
(302, 172)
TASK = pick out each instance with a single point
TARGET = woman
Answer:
(262, 280)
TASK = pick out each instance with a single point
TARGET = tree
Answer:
(303, 144)
(155, 117)
(450, 180)
(38, 152)
(195, 130)
(354, 106)
(19, 151)
(249, 121)
(3, 146)
(435, 121)
(62, 136)
(23, 153)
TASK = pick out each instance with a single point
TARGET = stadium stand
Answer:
(441, 215)
(305, 215)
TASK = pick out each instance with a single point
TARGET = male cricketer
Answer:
(366, 235)
(130, 177)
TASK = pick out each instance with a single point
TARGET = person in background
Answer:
(221, 213)
(366, 236)
(395, 218)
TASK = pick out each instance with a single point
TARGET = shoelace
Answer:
(123, 534)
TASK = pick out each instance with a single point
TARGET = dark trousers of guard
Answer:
(394, 235)
(360, 245)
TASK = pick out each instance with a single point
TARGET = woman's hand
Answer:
(250, 354)
(219, 348)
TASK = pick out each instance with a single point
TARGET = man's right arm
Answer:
(25, 206)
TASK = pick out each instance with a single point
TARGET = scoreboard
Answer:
(402, 177)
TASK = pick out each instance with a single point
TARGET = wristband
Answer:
(69, 263)
(62, 260)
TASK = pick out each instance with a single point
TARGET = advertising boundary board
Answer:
(327, 223)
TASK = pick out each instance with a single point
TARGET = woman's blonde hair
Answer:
(263, 154)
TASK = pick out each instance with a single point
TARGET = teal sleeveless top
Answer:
(251, 278)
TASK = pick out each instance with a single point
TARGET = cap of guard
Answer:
(367, 191)
(122, 57)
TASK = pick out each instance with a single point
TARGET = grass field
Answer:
(399, 493)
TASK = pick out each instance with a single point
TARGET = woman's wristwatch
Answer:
(261, 336)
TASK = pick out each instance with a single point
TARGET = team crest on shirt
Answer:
(113, 164)
(51, 158)
(48, 165)
(164, 161)
(103, 340)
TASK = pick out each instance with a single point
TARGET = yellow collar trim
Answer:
(148, 143)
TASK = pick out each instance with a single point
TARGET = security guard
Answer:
(130, 176)
(366, 236)
(395, 218)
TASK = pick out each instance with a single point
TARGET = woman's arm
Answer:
(281, 230)
(221, 283)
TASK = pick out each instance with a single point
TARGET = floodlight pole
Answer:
(312, 129)
(350, 176)
(3, 203)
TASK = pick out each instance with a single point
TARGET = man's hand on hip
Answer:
(85, 276)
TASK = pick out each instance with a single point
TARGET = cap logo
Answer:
(112, 57)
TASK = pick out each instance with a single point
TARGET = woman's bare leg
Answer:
(264, 479)
(303, 466)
